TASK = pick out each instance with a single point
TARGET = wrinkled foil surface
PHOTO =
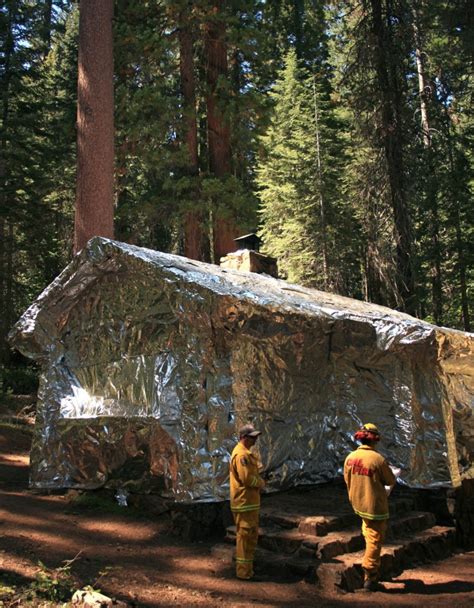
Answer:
(151, 362)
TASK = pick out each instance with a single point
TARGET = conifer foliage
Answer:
(37, 164)
(299, 179)
(341, 131)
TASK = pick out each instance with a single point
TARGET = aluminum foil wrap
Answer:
(151, 362)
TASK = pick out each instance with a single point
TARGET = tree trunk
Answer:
(186, 67)
(319, 179)
(391, 128)
(95, 124)
(422, 89)
(193, 221)
(239, 152)
(372, 274)
(218, 128)
(432, 200)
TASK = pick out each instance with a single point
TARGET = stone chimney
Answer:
(248, 258)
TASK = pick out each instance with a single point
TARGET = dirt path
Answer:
(138, 561)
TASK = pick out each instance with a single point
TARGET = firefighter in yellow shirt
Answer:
(245, 487)
(367, 474)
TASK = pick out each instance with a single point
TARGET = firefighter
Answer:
(245, 486)
(369, 480)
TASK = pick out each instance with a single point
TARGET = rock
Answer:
(94, 599)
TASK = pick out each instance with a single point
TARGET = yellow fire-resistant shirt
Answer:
(366, 472)
(245, 481)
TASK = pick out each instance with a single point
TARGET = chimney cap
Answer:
(248, 241)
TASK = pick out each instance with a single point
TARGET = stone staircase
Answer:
(315, 535)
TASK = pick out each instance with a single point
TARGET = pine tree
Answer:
(37, 153)
(298, 180)
(376, 37)
(447, 29)
(153, 184)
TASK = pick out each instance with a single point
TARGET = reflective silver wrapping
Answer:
(152, 361)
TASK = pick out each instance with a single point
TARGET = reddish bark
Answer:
(95, 124)
(193, 221)
(188, 87)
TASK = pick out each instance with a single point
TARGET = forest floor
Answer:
(53, 544)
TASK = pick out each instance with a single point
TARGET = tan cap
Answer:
(248, 430)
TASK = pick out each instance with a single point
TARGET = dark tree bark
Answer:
(193, 221)
(95, 124)
(188, 86)
(218, 128)
(391, 132)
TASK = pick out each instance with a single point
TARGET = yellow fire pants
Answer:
(374, 534)
(247, 537)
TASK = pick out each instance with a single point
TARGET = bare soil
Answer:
(134, 557)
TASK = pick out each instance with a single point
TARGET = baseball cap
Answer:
(248, 430)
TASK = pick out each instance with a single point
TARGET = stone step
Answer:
(276, 539)
(306, 546)
(323, 523)
(351, 540)
(345, 571)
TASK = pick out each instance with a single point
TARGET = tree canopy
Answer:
(342, 132)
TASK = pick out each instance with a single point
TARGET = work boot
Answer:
(258, 578)
(372, 584)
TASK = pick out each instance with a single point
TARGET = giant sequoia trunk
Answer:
(218, 128)
(193, 221)
(391, 130)
(95, 124)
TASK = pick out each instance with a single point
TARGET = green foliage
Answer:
(304, 222)
(305, 103)
(100, 502)
(50, 586)
(19, 380)
(6, 592)
(289, 198)
(37, 151)
(53, 584)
